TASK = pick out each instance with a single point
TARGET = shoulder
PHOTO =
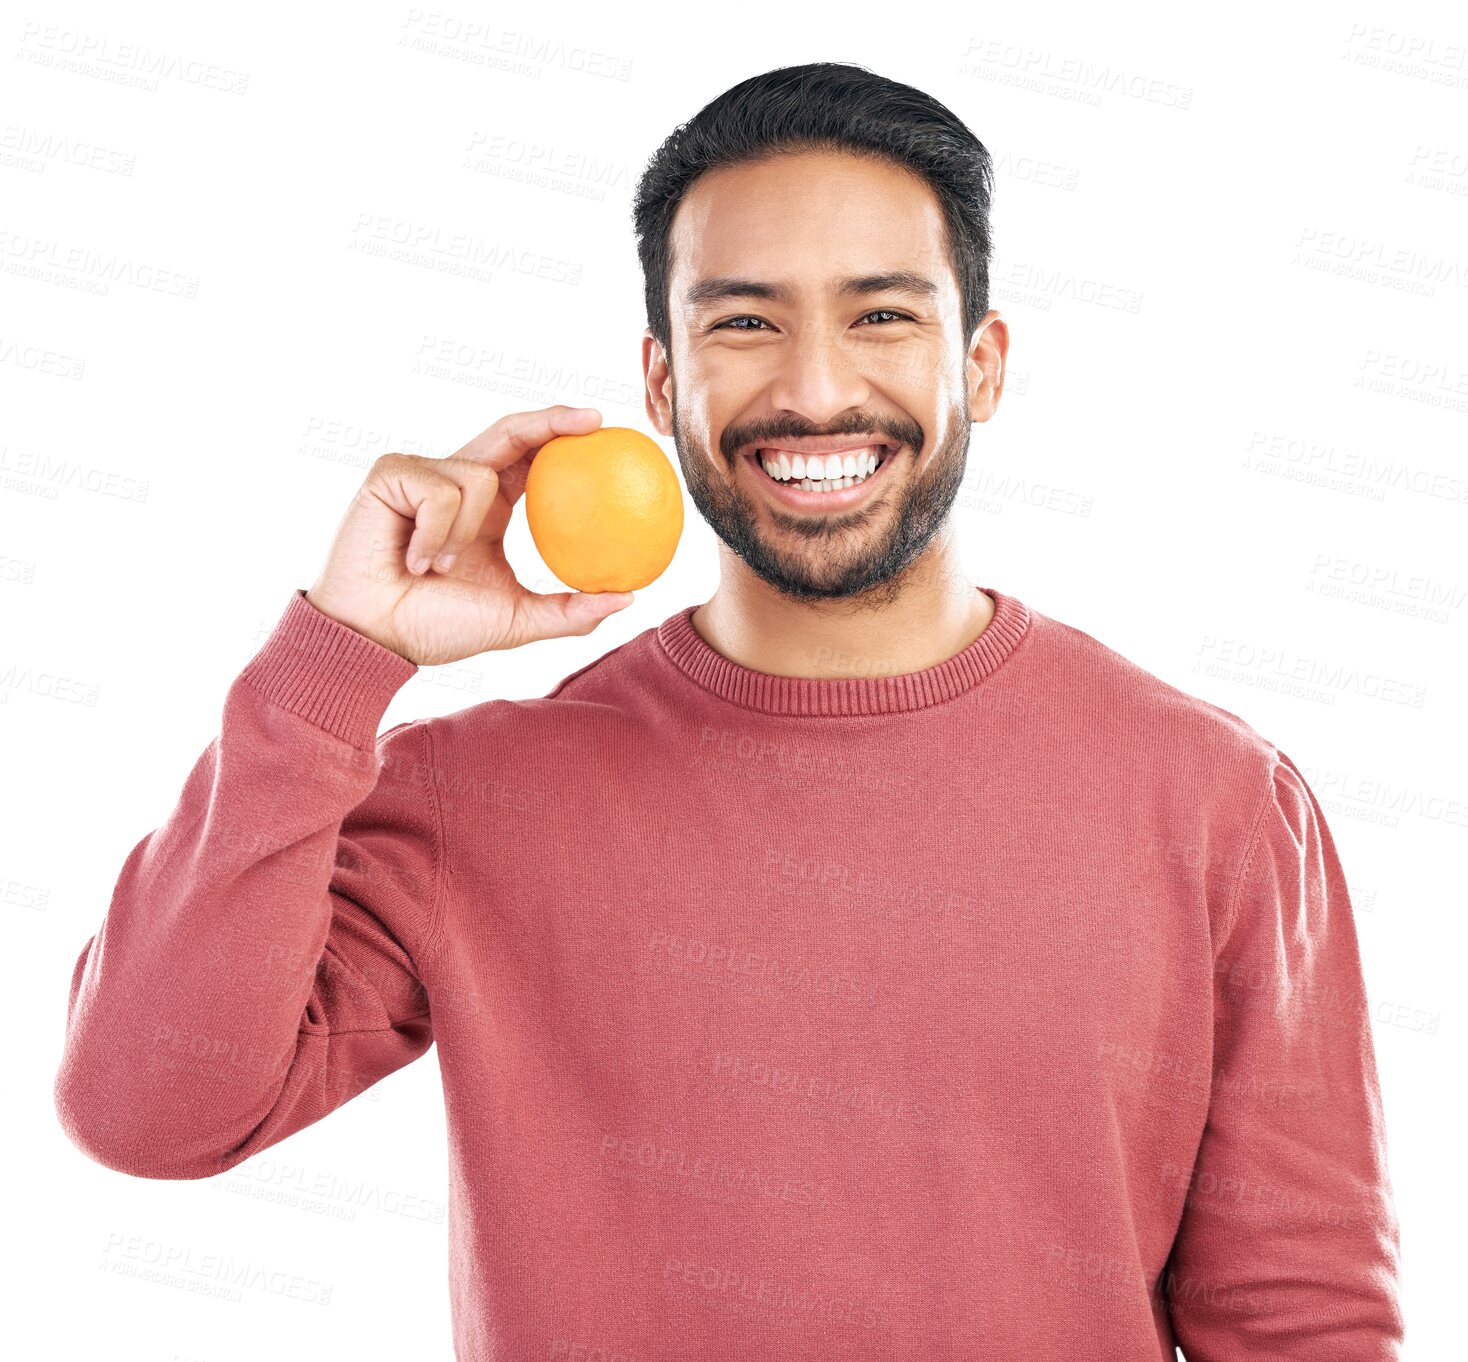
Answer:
(1131, 693)
(1223, 787)
(599, 690)
(1118, 698)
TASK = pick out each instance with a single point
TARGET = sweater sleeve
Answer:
(258, 964)
(1288, 1244)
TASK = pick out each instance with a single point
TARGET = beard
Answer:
(863, 553)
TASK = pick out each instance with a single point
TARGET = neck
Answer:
(929, 614)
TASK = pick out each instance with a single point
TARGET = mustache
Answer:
(896, 433)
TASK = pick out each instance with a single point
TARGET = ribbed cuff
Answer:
(328, 673)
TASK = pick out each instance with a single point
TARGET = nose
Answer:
(819, 376)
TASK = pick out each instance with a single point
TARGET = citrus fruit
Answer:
(605, 509)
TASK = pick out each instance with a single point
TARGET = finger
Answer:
(557, 614)
(441, 497)
(478, 484)
(516, 435)
(433, 515)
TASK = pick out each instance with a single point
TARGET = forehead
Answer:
(806, 221)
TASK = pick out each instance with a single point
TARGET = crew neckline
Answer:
(845, 696)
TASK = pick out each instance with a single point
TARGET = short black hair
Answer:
(822, 106)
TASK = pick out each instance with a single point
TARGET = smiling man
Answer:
(819, 364)
(817, 515)
(1122, 982)
(858, 964)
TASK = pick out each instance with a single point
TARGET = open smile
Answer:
(822, 482)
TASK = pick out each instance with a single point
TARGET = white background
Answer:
(1252, 481)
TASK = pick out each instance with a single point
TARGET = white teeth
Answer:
(821, 473)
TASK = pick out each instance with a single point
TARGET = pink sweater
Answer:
(1009, 1009)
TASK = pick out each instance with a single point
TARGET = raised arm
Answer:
(258, 963)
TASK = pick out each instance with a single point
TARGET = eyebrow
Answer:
(857, 286)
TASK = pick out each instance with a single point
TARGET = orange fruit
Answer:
(605, 509)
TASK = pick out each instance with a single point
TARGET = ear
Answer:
(657, 381)
(985, 365)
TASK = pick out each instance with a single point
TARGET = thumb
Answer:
(572, 612)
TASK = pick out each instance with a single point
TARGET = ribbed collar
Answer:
(842, 696)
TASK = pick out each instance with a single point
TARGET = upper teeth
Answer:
(850, 463)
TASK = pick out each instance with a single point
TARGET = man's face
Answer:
(785, 355)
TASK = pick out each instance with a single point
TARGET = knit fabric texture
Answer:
(1007, 1009)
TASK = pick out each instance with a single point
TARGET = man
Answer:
(860, 964)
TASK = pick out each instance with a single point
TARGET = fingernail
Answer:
(444, 561)
(418, 563)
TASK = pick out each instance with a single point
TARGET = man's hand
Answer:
(419, 565)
